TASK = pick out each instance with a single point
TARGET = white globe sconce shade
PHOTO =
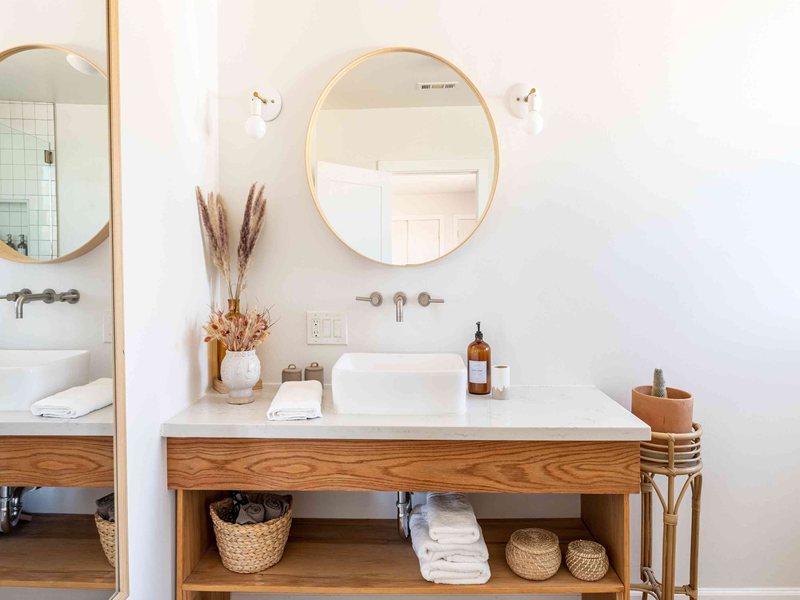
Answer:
(262, 109)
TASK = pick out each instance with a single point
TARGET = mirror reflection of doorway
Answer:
(428, 210)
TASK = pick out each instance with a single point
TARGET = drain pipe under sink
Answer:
(404, 507)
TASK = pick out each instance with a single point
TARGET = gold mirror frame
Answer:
(313, 122)
(100, 236)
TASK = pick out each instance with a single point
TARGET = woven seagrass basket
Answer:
(587, 560)
(107, 530)
(249, 548)
(533, 553)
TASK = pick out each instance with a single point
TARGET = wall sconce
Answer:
(262, 110)
(524, 101)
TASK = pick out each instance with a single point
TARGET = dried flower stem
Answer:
(239, 333)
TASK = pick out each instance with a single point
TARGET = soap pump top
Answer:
(479, 360)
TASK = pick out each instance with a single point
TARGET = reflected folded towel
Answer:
(455, 573)
(432, 551)
(451, 519)
(251, 512)
(77, 401)
(296, 400)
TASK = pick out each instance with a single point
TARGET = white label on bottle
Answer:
(477, 371)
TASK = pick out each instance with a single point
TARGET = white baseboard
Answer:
(773, 593)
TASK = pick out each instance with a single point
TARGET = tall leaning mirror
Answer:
(401, 156)
(61, 522)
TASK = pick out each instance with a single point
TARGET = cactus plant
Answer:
(659, 389)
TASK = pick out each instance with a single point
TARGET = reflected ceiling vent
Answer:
(436, 85)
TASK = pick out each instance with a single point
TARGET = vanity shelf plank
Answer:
(57, 461)
(67, 554)
(586, 467)
(330, 556)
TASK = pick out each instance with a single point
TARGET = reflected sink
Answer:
(30, 375)
(399, 384)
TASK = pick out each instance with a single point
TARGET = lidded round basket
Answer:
(533, 553)
(252, 547)
(587, 560)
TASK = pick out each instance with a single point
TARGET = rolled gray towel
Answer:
(276, 505)
(105, 507)
(251, 513)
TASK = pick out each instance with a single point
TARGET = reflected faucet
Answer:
(399, 300)
(48, 296)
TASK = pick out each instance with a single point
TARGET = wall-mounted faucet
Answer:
(399, 300)
(375, 298)
(48, 296)
(425, 299)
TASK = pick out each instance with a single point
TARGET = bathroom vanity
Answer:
(544, 440)
(37, 451)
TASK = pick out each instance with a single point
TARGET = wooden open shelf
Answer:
(326, 556)
(55, 551)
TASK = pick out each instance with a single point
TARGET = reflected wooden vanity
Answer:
(544, 441)
(55, 453)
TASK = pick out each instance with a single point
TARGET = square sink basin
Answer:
(399, 384)
(30, 375)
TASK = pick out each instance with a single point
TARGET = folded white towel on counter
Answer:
(432, 551)
(296, 400)
(451, 519)
(455, 573)
(76, 401)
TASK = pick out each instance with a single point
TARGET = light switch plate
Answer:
(326, 327)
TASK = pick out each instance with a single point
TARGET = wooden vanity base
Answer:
(57, 461)
(329, 556)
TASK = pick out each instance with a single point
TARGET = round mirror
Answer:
(54, 154)
(401, 156)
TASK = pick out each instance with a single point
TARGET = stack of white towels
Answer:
(448, 541)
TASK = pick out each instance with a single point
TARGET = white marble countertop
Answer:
(22, 422)
(569, 413)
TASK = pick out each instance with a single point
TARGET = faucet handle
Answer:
(375, 298)
(425, 299)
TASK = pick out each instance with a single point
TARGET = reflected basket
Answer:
(107, 530)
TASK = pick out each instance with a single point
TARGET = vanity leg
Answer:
(606, 517)
(194, 537)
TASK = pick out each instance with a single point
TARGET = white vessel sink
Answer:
(30, 375)
(399, 384)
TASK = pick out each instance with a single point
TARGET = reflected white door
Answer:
(416, 239)
(358, 205)
(464, 226)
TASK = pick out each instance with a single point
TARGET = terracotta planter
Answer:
(672, 414)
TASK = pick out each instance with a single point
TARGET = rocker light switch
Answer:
(325, 327)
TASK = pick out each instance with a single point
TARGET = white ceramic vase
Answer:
(240, 371)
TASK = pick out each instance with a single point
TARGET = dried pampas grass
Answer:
(215, 225)
(252, 224)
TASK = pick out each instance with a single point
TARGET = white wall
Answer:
(169, 144)
(652, 223)
(79, 25)
(82, 172)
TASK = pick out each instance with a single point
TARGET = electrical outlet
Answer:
(326, 327)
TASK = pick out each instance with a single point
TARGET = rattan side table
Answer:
(674, 455)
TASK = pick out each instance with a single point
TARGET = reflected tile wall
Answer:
(27, 181)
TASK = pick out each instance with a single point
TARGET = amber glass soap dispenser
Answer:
(479, 364)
